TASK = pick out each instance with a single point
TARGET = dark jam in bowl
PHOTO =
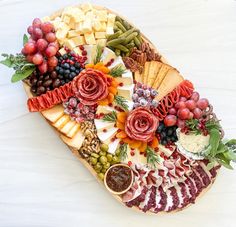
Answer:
(119, 178)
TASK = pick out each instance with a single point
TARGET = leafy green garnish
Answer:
(121, 101)
(152, 157)
(123, 151)
(117, 71)
(25, 39)
(192, 124)
(18, 62)
(110, 117)
(98, 55)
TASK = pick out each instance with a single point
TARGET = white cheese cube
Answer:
(70, 44)
(86, 7)
(112, 147)
(97, 26)
(106, 137)
(109, 30)
(62, 51)
(103, 27)
(89, 38)
(72, 24)
(101, 15)
(72, 33)
(101, 125)
(111, 20)
(126, 91)
(87, 26)
(79, 27)
(101, 42)
(78, 40)
(100, 35)
(66, 19)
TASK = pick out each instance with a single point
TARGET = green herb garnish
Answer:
(121, 101)
(110, 117)
(25, 39)
(123, 151)
(152, 157)
(117, 71)
(98, 55)
(18, 62)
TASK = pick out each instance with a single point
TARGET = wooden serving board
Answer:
(76, 153)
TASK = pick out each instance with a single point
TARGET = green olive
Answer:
(101, 176)
(115, 159)
(118, 152)
(109, 157)
(106, 165)
(93, 160)
(104, 147)
(103, 170)
(103, 159)
(95, 155)
(102, 153)
(98, 166)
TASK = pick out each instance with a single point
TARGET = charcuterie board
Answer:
(130, 117)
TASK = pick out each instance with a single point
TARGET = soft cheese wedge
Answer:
(103, 125)
(136, 158)
(104, 109)
(54, 113)
(112, 147)
(170, 82)
(76, 142)
(107, 55)
(126, 91)
(106, 137)
(127, 78)
(118, 61)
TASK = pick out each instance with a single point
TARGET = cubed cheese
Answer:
(101, 125)
(106, 137)
(101, 42)
(87, 26)
(86, 7)
(72, 33)
(62, 51)
(103, 27)
(97, 26)
(100, 35)
(102, 15)
(70, 44)
(77, 50)
(66, 19)
(112, 147)
(111, 20)
(78, 40)
(109, 30)
(89, 38)
(126, 91)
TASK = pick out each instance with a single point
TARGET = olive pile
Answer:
(166, 135)
(41, 83)
(102, 161)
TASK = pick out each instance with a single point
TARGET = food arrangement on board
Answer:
(130, 117)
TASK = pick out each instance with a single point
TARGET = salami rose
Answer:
(90, 86)
(141, 124)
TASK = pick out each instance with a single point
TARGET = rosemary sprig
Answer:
(152, 157)
(193, 126)
(18, 62)
(110, 117)
(121, 101)
(98, 55)
(123, 151)
(117, 71)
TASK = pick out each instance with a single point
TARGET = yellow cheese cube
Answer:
(46, 19)
(89, 38)
(86, 7)
(103, 27)
(111, 20)
(102, 15)
(70, 44)
(66, 19)
(79, 17)
(78, 40)
(72, 24)
(77, 50)
(101, 42)
(87, 26)
(79, 27)
(72, 33)
(97, 25)
(62, 51)
(109, 30)
(61, 34)
(100, 35)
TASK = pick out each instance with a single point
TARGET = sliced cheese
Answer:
(76, 141)
(145, 72)
(171, 81)
(106, 137)
(73, 130)
(138, 76)
(126, 91)
(101, 125)
(54, 113)
(161, 75)
(59, 124)
(155, 67)
(112, 147)
(67, 127)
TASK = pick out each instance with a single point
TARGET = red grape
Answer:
(170, 120)
(37, 23)
(30, 40)
(197, 113)
(190, 104)
(202, 104)
(30, 30)
(183, 99)
(50, 37)
(191, 115)
(195, 96)
(38, 59)
(183, 113)
(172, 111)
(29, 58)
(47, 27)
(43, 68)
(180, 123)
(42, 44)
(51, 51)
(52, 61)
(180, 105)
(23, 51)
(37, 33)
(30, 48)
(55, 44)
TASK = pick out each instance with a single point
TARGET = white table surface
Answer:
(41, 182)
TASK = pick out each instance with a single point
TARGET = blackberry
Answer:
(167, 135)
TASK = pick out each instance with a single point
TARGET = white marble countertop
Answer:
(41, 182)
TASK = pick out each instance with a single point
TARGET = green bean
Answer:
(139, 38)
(122, 48)
(137, 42)
(115, 42)
(127, 33)
(130, 45)
(119, 19)
(114, 36)
(120, 26)
(130, 37)
(126, 25)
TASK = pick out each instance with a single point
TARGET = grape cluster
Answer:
(42, 46)
(144, 96)
(186, 109)
(78, 111)
(41, 83)
(70, 65)
(166, 135)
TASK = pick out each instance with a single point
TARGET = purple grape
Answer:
(143, 102)
(136, 104)
(154, 103)
(146, 93)
(139, 92)
(153, 92)
(135, 97)
(72, 102)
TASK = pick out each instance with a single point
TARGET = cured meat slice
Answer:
(152, 199)
(163, 201)
(191, 188)
(202, 175)
(197, 182)
(144, 203)
(213, 171)
(139, 199)
(175, 199)
(184, 192)
(169, 201)
(180, 196)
